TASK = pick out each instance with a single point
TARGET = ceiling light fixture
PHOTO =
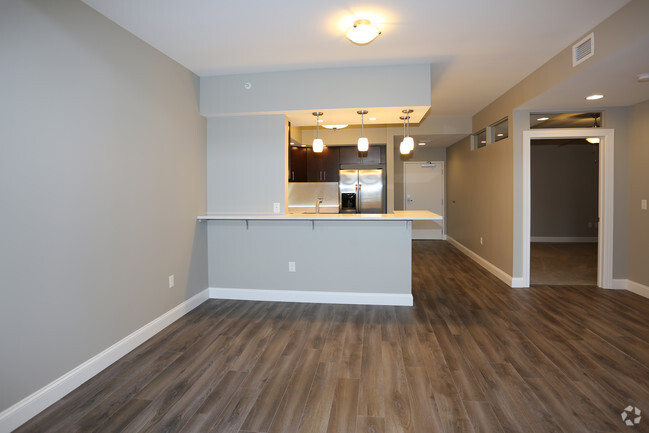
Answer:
(594, 140)
(341, 126)
(408, 139)
(362, 32)
(318, 145)
(363, 143)
(543, 119)
(643, 78)
(594, 97)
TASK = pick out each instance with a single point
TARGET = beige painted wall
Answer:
(638, 271)
(479, 199)
(564, 190)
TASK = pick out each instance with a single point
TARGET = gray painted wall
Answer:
(246, 164)
(332, 256)
(638, 226)
(322, 89)
(564, 189)
(102, 174)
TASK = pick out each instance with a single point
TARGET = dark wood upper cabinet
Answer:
(307, 166)
(351, 155)
(297, 164)
(323, 167)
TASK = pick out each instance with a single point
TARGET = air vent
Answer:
(583, 49)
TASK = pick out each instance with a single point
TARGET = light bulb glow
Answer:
(362, 32)
(318, 145)
(363, 144)
(593, 140)
(594, 97)
(404, 148)
(410, 143)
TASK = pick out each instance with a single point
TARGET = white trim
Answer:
(496, 271)
(605, 209)
(563, 239)
(318, 297)
(632, 286)
(32, 405)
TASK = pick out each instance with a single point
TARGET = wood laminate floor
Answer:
(472, 355)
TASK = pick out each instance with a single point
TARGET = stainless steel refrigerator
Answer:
(362, 190)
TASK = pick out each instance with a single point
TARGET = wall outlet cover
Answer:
(172, 281)
(275, 207)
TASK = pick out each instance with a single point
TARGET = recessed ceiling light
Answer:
(594, 97)
(541, 119)
(421, 144)
(372, 118)
(500, 135)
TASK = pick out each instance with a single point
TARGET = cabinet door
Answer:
(323, 166)
(351, 155)
(331, 164)
(297, 164)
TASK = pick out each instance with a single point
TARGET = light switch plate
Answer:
(291, 266)
(275, 207)
(643, 204)
(172, 281)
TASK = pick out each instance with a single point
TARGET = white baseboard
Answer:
(497, 272)
(32, 405)
(318, 297)
(587, 239)
(632, 286)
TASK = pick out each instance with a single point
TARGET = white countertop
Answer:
(412, 215)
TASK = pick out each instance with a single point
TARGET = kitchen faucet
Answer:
(317, 205)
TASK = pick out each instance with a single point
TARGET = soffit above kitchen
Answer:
(477, 50)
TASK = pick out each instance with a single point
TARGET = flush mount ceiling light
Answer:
(594, 97)
(363, 143)
(341, 126)
(362, 32)
(643, 78)
(318, 145)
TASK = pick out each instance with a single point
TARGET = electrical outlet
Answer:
(643, 204)
(172, 281)
(291, 266)
(481, 241)
(275, 207)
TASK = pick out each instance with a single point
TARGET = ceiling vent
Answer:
(583, 49)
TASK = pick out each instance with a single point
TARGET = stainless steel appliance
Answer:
(362, 190)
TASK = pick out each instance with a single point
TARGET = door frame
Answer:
(442, 163)
(605, 207)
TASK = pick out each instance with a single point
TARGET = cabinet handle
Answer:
(325, 174)
(292, 175)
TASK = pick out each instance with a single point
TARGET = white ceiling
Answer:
(478, 49)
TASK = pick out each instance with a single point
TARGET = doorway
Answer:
(604, 207)
(564, 194)
(423, 189)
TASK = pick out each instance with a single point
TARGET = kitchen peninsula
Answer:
(306, 257)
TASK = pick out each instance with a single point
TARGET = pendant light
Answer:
(318, 145)
(404, 148)
(363, 143)
(408, 139)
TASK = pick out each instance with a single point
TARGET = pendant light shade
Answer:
(318, 144)
(363, 143)
(404, 149)
(410, 143)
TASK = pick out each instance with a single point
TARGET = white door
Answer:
(424, 190)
